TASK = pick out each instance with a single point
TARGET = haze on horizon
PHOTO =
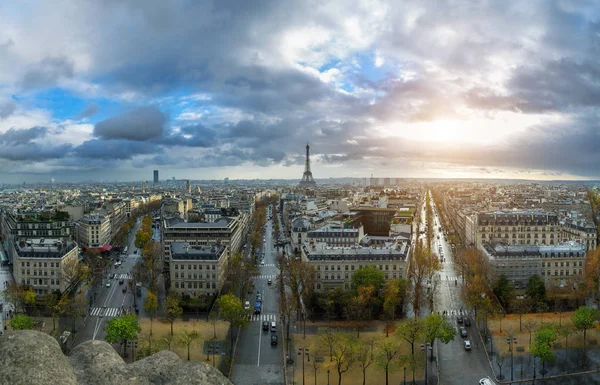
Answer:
(207, 90)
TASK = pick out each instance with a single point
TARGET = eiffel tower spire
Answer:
(307, 178)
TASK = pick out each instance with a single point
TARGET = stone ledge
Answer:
(33, 358)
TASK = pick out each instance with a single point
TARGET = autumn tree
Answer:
(151, 305)
(422, 268)
(584, 318)
(368, 275)
(355, 312)
(72, 307)
(172, 308)
(394, 293)
(187, 339)
(150, 267)
(591, 274)
(385, 354)
(411, 331)
(51, 301)
(520, 307)
(504, 291)
(328, 337)
(344, 354)
(231, 309)
(299, 276)
(364, 358)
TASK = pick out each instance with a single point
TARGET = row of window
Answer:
(39, 272)
(194, 267)
(39, 264)
(562, 264)
(349, 276)
(36, 281)
(195, 285)
(521, 228)
(565, 272)
(195, 276)
(339, 267)
(48, 233)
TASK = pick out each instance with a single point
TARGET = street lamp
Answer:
(511, 341)
(405, 375)
(327, 376)
(425, 347)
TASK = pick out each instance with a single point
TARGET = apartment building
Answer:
(39, 263)
(334, 234)
(197, 270)
(94, 232)
(226, 231)
(556, 264)
(336, 265)
(20, 226)
(527, 227)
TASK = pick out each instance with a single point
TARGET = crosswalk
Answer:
(263, 317)
(463, 312)
(106, 312)
(122, 276)
(269, 265)
(267, 276)
(450, 278)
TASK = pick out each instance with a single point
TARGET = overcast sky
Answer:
(112, 89)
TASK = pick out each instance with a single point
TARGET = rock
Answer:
(34, 358)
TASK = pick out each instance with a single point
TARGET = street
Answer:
(256, 360)
(110, 302)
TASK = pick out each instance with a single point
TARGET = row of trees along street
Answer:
(402, 348)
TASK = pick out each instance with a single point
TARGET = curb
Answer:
(237, 338)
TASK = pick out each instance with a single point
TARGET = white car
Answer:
(247, 305)
(262, 263)
(467, 345)
(107, 284)
(486, 381)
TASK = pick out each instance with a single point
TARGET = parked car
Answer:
(486, 381)
(265, 326)
(463, 332)
(247, 305)
(111, 276)
(467, 345)
(107, 284)
(467, 322)
(273, 339)
(459, 319)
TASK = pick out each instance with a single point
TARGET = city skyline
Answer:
(375, 87)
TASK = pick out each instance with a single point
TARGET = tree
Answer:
(231, 309)
(167, 340)
(565, 331)
(500, 358)
(591, 273)
(368, 275)
(535, 290)
(386, 351)
(504, 291)
(411, 331)
(147, 270)
(438, 327)
(584, 319)
(421, 269)
(530, 325)
(150, 305)
(74, 273)
(355, 311)
(122, 329)
(394, 293)
(364, 357)
(520, 307)
(344, 354)
(173, 309)
(542, 344)
(51, 301)
(329, 338)
(72, 307)
(15, 294)
(213, 318)
(21, 322)
(186, 339)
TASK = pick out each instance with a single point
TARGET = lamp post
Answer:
(327, 376)
(425, 347)
(511, 341)
(405, 375)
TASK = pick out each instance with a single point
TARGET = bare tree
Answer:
(364, 357)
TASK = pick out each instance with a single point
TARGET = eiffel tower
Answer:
(307, 178)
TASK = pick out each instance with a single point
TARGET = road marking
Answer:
(259, 342)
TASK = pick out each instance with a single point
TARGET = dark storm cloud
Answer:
(197, 135)
(48, 72)
(23, 136)
(7, 109)
(114, 149)
(90, 110)
(139, 124)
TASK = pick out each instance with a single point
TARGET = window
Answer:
(176, 285)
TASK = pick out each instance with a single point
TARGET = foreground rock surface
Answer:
(34, 358)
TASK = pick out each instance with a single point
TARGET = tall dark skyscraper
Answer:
(155, 176)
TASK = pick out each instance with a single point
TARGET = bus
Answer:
(125, 250)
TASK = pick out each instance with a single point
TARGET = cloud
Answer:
(89, 111)
(23, 136)
(48, 72)
(138, 124)
(114, 149)
(7, 109)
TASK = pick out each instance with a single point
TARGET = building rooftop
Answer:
(223, 222)
(391, 250)
(183, 251)
(44, 248)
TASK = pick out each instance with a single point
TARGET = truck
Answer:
(257, 307)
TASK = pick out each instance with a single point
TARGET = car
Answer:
(124, 289)
(269, 281)
(265, 326)
(111, 276)
(121, 281)
(262, 263)
(107, 284)
(467, 322)
(273, 339)
(463, 332)
(486, 381)
(247, 305)
(467, 344)
(135, 251)
(259, 297)
(119, 263)
(459, 320)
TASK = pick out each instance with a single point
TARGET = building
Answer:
(376, 221)
(94, 232)
(527, 227)
(336, 265)
(197, 270)
(39, 263)
(556, 264)
(155, 176)
(143, 187)
(226, 231)
(20, 226)
(188, 187)
(334, 234)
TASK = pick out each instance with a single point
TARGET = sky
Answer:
(113, 89)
